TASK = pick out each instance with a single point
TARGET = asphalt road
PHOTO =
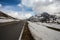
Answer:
(11, 31)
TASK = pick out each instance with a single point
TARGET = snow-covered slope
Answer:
(4, 15)
(44, 17)
(40, 32)
(6, 18)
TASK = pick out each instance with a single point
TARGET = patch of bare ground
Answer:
(26, 33)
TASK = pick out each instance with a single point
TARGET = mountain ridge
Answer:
(4, 15)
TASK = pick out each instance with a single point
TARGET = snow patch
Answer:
(40, 32)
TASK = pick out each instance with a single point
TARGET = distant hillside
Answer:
(3, 15)
(43, 17)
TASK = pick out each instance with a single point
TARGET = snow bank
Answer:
(6, 20)
(40, 32)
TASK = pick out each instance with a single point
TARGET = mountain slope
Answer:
(44, 17)
(3, 15)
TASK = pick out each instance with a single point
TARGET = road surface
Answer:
(11, 31)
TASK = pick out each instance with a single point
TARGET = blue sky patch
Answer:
(10, 2)
(13, 5)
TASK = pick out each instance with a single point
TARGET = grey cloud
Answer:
(52, 7)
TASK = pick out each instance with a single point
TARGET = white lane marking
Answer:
(21, 32)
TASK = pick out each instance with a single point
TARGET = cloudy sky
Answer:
(26, 8)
